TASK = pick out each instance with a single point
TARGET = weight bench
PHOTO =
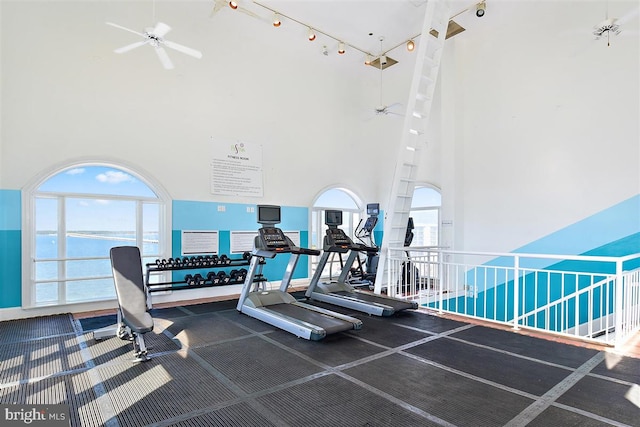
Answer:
(133, 318)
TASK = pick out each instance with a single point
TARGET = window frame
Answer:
(30, 195)
(436, 208)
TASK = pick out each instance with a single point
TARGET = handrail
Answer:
(596, 294)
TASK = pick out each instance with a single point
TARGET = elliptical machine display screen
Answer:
(370, 224)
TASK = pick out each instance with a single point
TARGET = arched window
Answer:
(78, 214)
(333, 198)
(425, 211)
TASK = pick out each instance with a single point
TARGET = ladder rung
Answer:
(427, 78)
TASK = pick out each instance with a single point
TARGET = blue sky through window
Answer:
(96, 180)
(90, 213)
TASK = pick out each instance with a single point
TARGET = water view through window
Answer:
(80, 214)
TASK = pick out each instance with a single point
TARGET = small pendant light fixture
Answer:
(411, 45)
(341, 49)
(276, 20)
(311, 35)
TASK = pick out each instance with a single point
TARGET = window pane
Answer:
(47, 270)
(46, 292)
(150, 227)
(88, 268)
(96, 180)
(46, 216)
(424, 197)
(95, 226)
(90, 290)
(426, 227)
(336, 198)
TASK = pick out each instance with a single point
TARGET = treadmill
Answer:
(277, 307)
(341, 293)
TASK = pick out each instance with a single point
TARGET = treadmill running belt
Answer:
(330, 324)
(373, 298)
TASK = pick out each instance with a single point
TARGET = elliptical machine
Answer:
(410, 273)
(364, 233)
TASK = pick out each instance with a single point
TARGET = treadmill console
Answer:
(273, 239)
(337, 237)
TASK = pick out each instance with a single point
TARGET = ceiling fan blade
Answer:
(131, 46)
(394, 105)
(628, 16)
(161, 29)
(125, 28)
(183, 49)
(164, 58)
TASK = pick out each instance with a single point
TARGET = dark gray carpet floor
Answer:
(212, 366)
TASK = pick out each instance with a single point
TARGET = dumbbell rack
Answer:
(200, 263)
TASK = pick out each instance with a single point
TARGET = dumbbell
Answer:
(159, 263)
(178, 261)
(225, 260)
(171, 262)
(217, 278)
(225, 279)
(211, 277)
(188, 279)
(198, 279)
(233, 274)
(215, 260)
(242, 274)
(246, 256)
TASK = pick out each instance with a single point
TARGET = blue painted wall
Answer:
(612, 232)
(189, 215)
(10, 248)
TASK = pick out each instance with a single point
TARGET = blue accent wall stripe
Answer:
(613, 224)
(10, 248)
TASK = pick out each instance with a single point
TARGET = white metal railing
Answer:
(590, 297)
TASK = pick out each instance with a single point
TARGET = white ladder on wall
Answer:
(414, 132)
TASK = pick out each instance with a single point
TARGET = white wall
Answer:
(538, 124)
(66, 95)
(545, 119)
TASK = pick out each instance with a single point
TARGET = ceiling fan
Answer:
(155, 38)
(612, 25)
(382, 109)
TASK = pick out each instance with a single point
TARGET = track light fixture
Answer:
(276, 20)
(368, 59)
(341, 48)
(311, 36)
(233, 4)
(411, 45)
(480, 7)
